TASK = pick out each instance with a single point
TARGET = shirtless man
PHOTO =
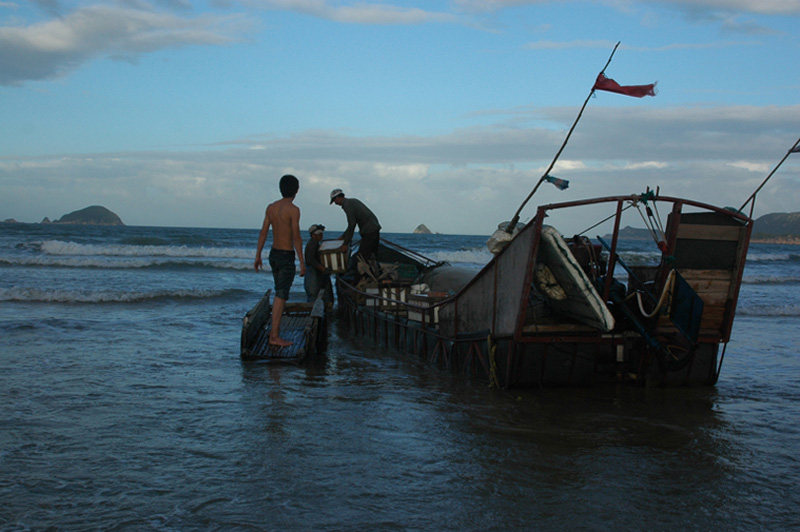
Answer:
(284, 216)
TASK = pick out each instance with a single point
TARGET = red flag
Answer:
(637, 91)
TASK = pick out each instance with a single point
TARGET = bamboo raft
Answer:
(302, 323)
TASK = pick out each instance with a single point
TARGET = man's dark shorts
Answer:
(368, 246)
(282, 263)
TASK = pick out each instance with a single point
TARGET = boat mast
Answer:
(752, 197)
(515, 219)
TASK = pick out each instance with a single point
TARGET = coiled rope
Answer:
(666, 291)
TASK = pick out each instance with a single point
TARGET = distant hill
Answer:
(631, 233)
(779, 228)
(94, 215)
(421, 229)
(777, 224)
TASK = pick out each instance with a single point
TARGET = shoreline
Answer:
(790, 240)
(786, 240)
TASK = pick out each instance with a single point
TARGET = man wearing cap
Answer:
(368, 226)
(317, 275)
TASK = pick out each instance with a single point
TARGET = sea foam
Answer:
(37, 295)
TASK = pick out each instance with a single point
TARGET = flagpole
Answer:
(515, 219)
(753, 195)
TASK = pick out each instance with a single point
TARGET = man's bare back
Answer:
(284, 216)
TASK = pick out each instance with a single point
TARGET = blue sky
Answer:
(445, 113)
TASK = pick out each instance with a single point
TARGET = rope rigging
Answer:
(515, 219)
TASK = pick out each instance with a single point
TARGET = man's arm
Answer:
(351, 225)
(312, 256)
(262, 238)
(298, 241)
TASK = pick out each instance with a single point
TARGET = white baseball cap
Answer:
(335, 193)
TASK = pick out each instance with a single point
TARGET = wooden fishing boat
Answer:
(302, 323)
(550, 311)
(555, 311)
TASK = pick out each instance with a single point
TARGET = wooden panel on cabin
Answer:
(707, 253)
(709, 232)
(710, 323)
(707, 240)
(718, 283)
(713, 286)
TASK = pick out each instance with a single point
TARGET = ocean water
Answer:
(124, 406)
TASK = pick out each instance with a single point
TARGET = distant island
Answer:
(94, 215)
(776, 228)
(422, 230)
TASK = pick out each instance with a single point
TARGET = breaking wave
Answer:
(777, 311)
(37, 295)
(465, 256)
(772, 257)
(770, 279)
(116, 262)
(61, 254)
(61, 248)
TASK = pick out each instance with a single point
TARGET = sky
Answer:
(443, 113)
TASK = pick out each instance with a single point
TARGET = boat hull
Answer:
(557, 362)
(547, 310)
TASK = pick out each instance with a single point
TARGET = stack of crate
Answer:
(423, 306)
(332, 256)
(398, 295)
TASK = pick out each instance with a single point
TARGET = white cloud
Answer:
(128, 29)
(764, 7)
(356, 12)
(466, 181)
(53, 48)
(495, 5)
(762, 168)
(767, 7)
(561, 45)
(566, 165)
(658, 165)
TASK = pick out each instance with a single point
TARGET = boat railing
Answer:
(393, 305)
(424, 261)
(501, 290)
(632, 200)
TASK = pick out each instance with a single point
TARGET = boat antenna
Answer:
(793, 149)
(515, 219)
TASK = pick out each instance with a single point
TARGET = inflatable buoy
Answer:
(547, 283)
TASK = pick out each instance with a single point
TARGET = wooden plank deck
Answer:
(293, 328)
(301, 323)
